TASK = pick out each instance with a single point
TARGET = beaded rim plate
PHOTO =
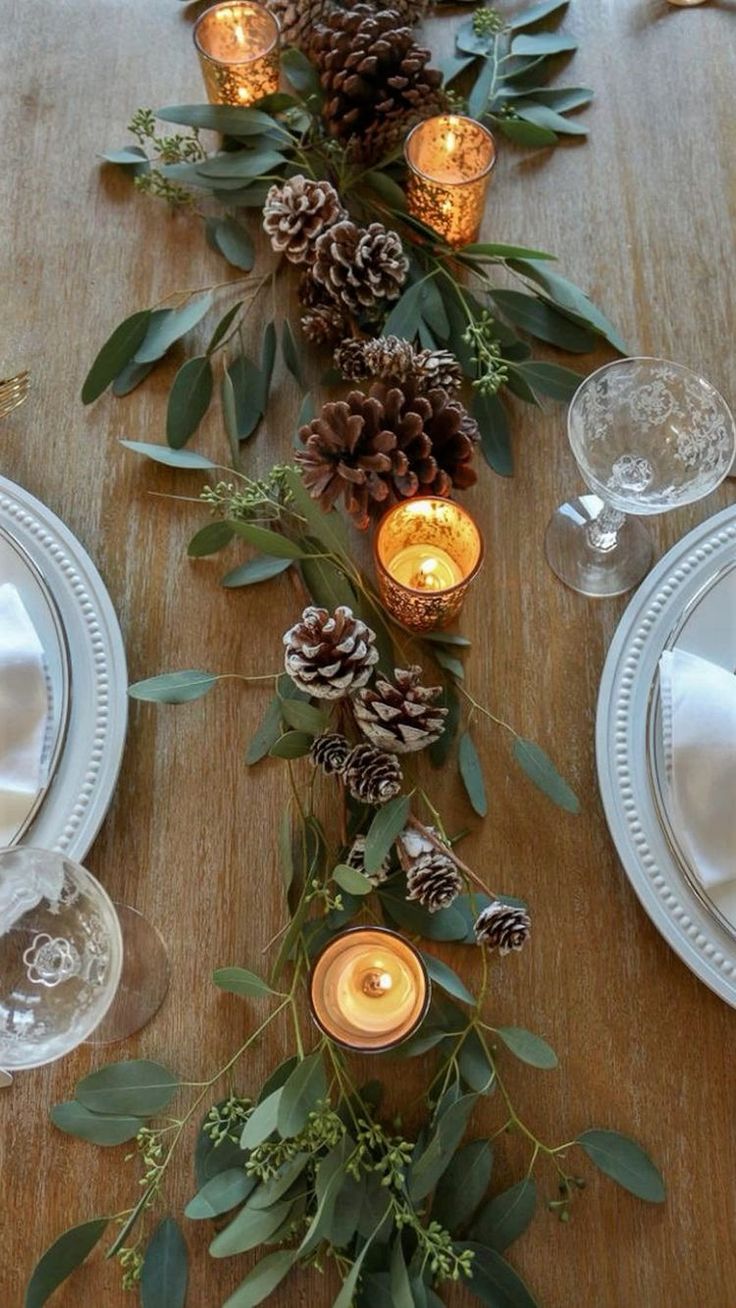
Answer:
(86, 770)
(677, 603)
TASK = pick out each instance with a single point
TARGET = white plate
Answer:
(687, 601)
(68, 601)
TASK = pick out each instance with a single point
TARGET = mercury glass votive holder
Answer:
(238, 48)
(427, 552)
(450, 160)
(369, 989)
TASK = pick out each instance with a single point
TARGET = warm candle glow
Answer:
(369, 989)
(427, 552)
(450, 160)
(238, 47)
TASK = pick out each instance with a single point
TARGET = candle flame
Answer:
(426, 576)
(239, 34)
(450, 142)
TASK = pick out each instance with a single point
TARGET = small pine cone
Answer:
(296, 212)
(356, 859)
(400, 718)
(371, 776)
(329, 752)
(392, 359)
(436, 368)
(330, 655)
(503, 926)
(433, 881)
(324, 324)
(360, 267)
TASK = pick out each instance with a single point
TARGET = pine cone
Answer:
(330, 655)
(371, 776)
(356, 859)
(299, 18)
(324, 324)
(400, 718)
(359, 267)
(396, 360)
(503, 926)
(296, 212)
(432, 877)
(373, 76)
(329, 752)
(386, 446)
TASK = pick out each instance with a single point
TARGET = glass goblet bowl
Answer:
(648, 436)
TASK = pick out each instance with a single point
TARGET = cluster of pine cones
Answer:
(374, 76)
(332, 656)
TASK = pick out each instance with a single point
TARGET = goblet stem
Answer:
(602, 532)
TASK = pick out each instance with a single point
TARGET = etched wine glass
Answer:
(647, 435)
(73, 966)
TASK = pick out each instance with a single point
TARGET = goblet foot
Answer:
(144, 981)
(615, 565)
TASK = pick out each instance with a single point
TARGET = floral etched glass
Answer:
(648, 436)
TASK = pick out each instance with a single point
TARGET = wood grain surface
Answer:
(642, 216)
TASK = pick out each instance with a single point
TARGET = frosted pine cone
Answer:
(329, 752)
(432, 877)
(503, 926)
(360, 267)
(400, 718)
(356, 859)
(324, 324)
(396, 360)
(330, 655)
(372, 776)
(296, 212)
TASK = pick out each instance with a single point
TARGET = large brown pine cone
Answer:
(360, 267)
(386, 446)
(400, 718)
(371, 776)
(373, 75)
(503, 926)
(393, 359)
(296, 212)
(298, 19)
(329, 655)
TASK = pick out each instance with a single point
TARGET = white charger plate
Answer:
(688, 601)
(74, 616)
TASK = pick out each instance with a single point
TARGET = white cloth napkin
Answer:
(699, 732)
(23, 713)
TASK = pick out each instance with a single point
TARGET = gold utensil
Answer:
(13, 392)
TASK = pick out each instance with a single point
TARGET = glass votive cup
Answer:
(450, 160)
(427, 552)
(238, 48)
(369, 989)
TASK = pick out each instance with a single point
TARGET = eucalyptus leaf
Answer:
(541, 770)
(445, 924)
(307, 411)
(493, 251)
(187, 459)
(212, 1158)
(450, 662)
(291, 354)
(254, 571)
(506, 1216)
(570, 297)
(463, 1185)
(130, 156)
(173, 687)
(495, 432)
(234, 243)
(625, 1162)
(239, 164)
(476, 1069)
(249, 393)
(327, 584)
(230, 120)
(304, 1088)
(262, 1121)
(401, 1292)
(100, 1129)
(165, 1268)
(543, 116)
(551, 379)
(293, 744)
(223, 325)
(385, 187)
(262, 1280)
(220, 1194)
(268, 1192)
(482, 88)
(117, 351)
(351, 880)
(540, 319)
(266, 735)
(443, 976)
(278, 1077)
(349, 1285)
(495, 1282)
(239, 981)
(543, 43)
(441, 1147)
(61, 1259)
(472, 774)
(533, 15)
(329, 528)
(137, 1086)
(209, 540)
(304, 717)
(300, 71)
(526, 133)
(270, 542)
(168, 326)
(268, 358)
(439, 750)
(472, 42)
(386, 827)
(131, 376)
(330, 1178)
(403, 320)
(251, 1227)
(528, 1047)
(561, 98)
(189, 400)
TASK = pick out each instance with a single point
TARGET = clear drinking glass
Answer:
(72, 965)
(647, 436)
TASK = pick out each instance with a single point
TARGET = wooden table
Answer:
(642, 217)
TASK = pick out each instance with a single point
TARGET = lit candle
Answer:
(369, 989)
(450, 159)
(238, 47)
(427, 552)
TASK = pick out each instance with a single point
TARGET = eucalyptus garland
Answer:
(311, 1164)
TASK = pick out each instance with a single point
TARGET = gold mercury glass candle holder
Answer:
(450, 160)
(427, 552)
(238, 48)
(369, 989)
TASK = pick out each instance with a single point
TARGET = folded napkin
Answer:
(699, 732)
(23, 713)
